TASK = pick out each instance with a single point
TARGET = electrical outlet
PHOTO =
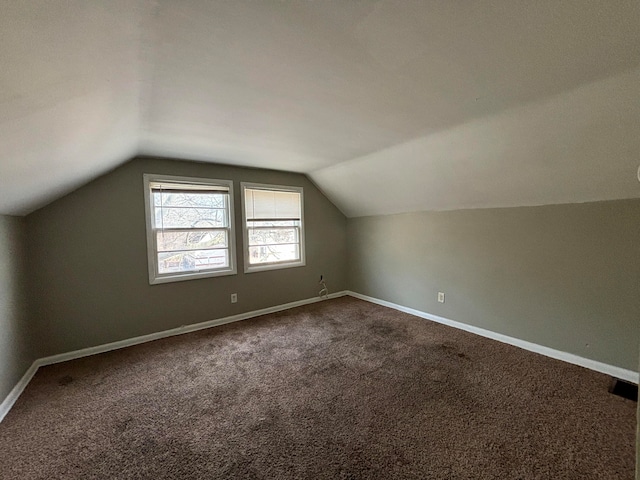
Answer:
(234, 298)
(441, 297)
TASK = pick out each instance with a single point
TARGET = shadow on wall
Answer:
(15, 348)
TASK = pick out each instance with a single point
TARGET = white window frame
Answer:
(248, 268)
(154, 276)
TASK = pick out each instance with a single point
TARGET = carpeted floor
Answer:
(342, 389)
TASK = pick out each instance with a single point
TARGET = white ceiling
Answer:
(389, 106)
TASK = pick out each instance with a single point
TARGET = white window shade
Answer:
(272, 204)
(185, 187)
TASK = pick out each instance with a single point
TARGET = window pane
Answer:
(172, 199)
(190, 217)
(192, 261)
(269, 236)
(273, 253)
(191, 227)
(194, 240)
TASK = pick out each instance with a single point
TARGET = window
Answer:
(190, 230)
(273, 227)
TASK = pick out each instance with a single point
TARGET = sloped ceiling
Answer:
(69, 94)
(389, 106)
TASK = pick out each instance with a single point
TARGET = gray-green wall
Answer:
(563, 276)
(88, 261)
(15, 351)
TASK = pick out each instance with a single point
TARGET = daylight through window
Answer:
(273, 227)
(189, 228)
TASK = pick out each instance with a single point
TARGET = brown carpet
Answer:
(342, 389)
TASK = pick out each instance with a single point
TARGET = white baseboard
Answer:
(617, 372)
(9, 401)
(85, 352)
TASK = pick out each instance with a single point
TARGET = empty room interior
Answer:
(272, 239)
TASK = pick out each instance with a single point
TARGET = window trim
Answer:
(248, 268)
(157, 278)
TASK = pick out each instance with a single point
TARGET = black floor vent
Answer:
(624, 389)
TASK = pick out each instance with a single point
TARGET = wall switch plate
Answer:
(441, 297)
(234, 298)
